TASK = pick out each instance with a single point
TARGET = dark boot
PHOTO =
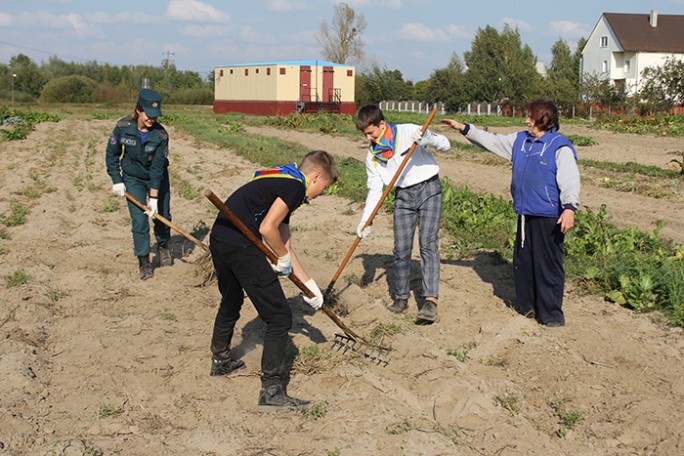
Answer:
(165, 258)
(274, 399)
(146, 270)
(224, 366)
(398, 306)
(427, 314)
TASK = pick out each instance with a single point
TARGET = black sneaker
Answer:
(165, 258)
(428, 314)
(146, 269)
(225, 366)
(398, 306)
(273, 399)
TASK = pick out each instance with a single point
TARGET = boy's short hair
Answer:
(369, 115)
(320, 160)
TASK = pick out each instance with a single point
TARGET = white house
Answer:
(622, 45)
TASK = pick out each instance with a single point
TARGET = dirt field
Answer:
(95, 362)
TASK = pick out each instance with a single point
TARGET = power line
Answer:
(43, 51)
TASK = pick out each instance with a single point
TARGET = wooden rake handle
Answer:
(166, 222)
(389, 188)
(230, 215)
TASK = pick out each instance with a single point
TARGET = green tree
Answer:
(446, 85)
(383, 84)
(663, 86)
(343, 41)
(562, 76)
(500, 68)
(69, 89)
(29, 78)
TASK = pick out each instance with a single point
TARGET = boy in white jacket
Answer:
(418, 201)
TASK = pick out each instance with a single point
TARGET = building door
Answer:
(328, 83)
(305, 83)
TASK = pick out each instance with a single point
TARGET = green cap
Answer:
(150, 101)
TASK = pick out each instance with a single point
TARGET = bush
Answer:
(69, 89)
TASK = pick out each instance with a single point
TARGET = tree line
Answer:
(499, 68)
(67, 82)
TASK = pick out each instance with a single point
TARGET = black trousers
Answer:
(241, 270)
(538, 265)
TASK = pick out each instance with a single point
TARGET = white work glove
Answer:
(423, 140)
(317, 301)
(362, 232)
(284, 266)
(119, 189)
(154, 207)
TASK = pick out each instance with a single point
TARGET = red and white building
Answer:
(280, 88)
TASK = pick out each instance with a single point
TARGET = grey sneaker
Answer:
(428, 314)
(146, 269)
(273, 399)
(165, 258)
(225, 366)
(398, 306)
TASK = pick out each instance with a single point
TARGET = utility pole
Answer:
(166, 62)
(14, 75)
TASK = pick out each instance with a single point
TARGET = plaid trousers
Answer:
(418, 204)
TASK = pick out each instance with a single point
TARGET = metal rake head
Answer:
(375, 353)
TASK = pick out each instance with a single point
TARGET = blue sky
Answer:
(412, 36)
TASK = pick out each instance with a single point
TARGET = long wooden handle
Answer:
(166, 222)
(230, 215)
(389, 188)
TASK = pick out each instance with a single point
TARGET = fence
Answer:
(471, 109)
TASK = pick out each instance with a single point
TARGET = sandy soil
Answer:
(95, 362)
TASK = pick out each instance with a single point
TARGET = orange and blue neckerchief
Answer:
(284, 171)
(383, 148)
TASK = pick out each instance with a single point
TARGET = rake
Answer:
(350, 341)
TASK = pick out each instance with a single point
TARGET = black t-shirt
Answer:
(251, 202)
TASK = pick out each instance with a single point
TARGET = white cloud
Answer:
(101, 17)
(250, 36)
(205, 31)
(393, 4)
(194, 10)
(5, 20)
(517, 23)
(567, 29)
(417, 31)
(286, 5)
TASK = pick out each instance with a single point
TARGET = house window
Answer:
(221, 73)
(246, 71)
(257, 71)
(231, 71)
(604, 41)
(350, 73)
(628, 66)
(268, 71)
(605, 66)
(282, 71)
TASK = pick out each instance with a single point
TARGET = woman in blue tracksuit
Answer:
(545, 186)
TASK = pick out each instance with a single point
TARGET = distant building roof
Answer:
(636, 34)
(288, 62)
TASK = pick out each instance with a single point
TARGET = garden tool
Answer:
(350, 340)
(389, 188)
(168, 223)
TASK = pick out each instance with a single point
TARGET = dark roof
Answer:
(635, 34)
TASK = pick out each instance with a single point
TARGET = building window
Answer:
(605, 66)
(604, 41)
(257, 71)
(628, 66)
(231, 71)
(282, 71)
(268, 71)
(221, 73)
(350, 73)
